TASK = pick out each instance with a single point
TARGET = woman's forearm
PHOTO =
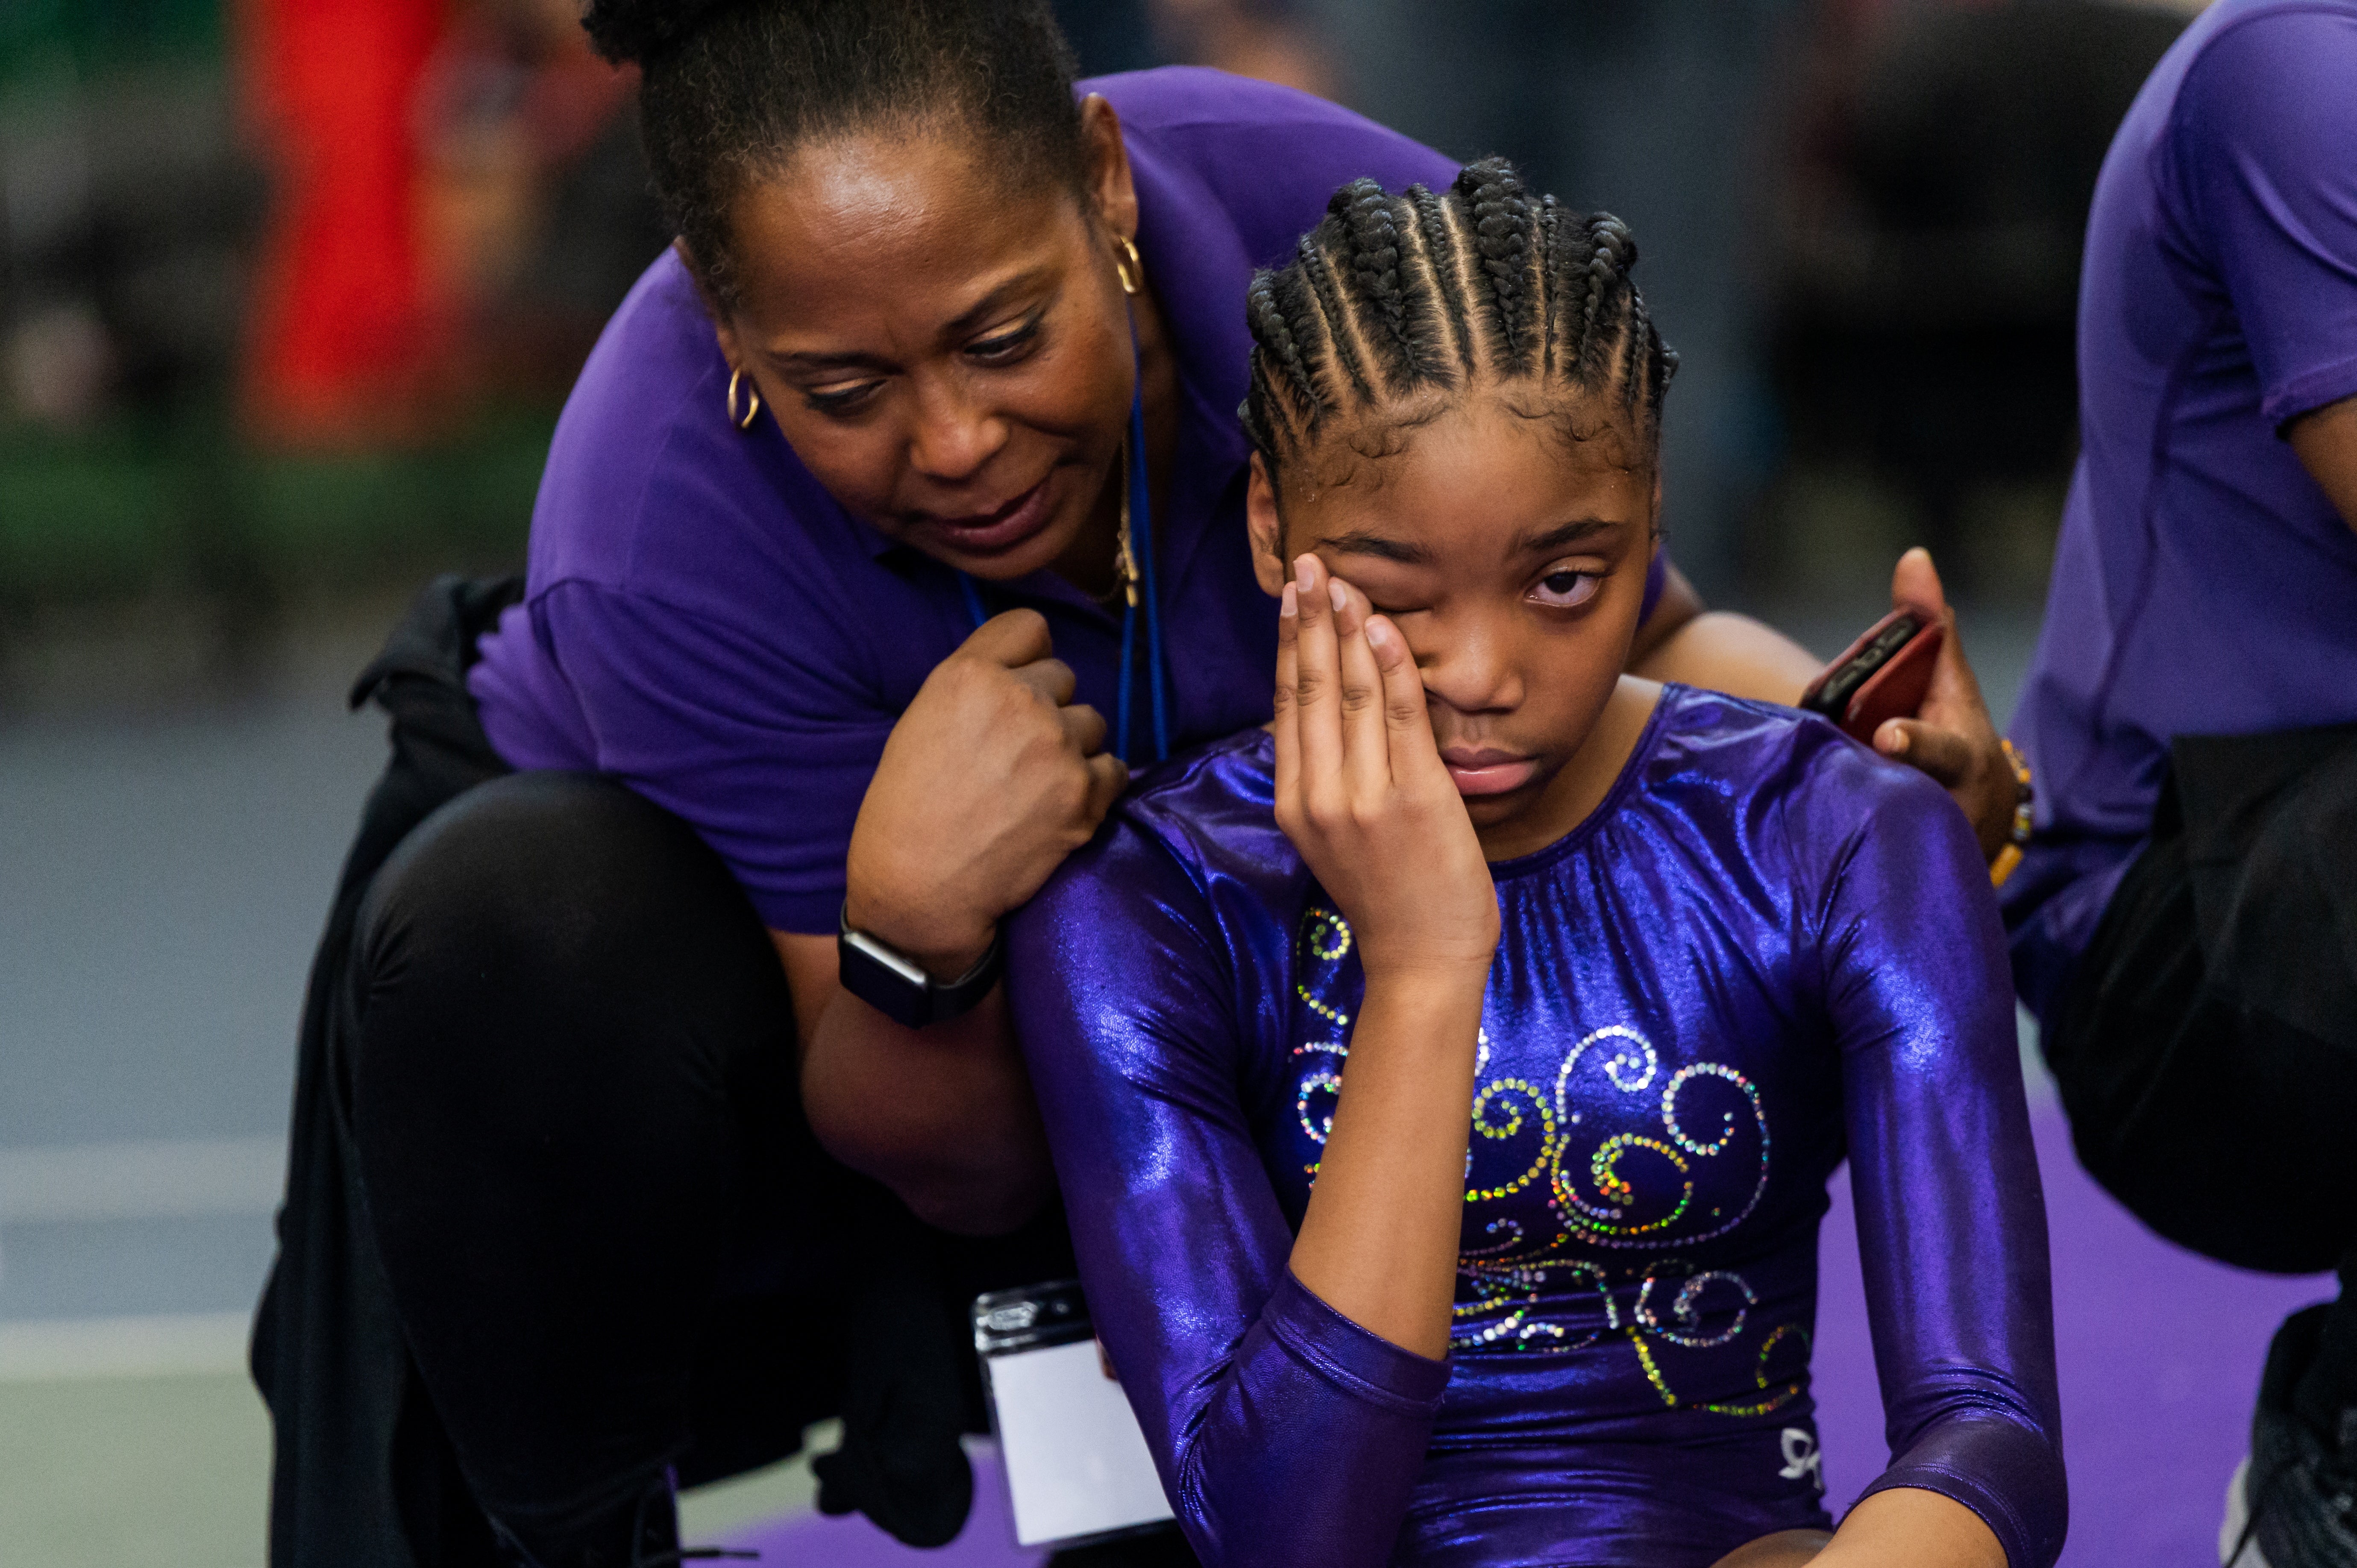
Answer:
(1950, 737)
(990, 778)
(1720, 652)
(943, 1116)
(1686, 641)
(1378, 1244)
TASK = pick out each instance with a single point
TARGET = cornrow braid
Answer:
(1272, 330)
(1611, 252)
(1392, 296)
(1636, 353)
(1504, 230)
(1550, 219)
(1398, 336)
(1318, 271)
(1440, 256)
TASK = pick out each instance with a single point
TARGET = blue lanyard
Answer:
(1141, 544)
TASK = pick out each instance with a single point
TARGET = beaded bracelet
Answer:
(2024, 797)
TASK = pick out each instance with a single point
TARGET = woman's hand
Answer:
(1951, 737)
(992, 776)
(1361, 791)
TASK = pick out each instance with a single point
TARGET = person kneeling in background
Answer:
(2185, 922)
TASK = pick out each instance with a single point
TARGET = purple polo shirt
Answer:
(707, 624)
(2203, 584)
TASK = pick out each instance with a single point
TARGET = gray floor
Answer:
(161, 885)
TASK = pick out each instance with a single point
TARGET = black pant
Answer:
(2206, 1044)
(555, 1224)
(606, 1227)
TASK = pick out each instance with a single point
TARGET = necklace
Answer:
(1137, 567)
(1125, 551)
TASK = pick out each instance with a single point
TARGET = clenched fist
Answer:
(992, 776)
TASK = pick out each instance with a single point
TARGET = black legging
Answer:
(2206, 1044)
(574, 1104)
(615, 1246)
(2206, 1050)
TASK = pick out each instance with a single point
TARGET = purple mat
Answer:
(2159, 1354)
(2160, 1351)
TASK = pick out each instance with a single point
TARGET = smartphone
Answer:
(1078, 1469)
(1882, 675)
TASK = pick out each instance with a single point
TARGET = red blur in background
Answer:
(342, 326)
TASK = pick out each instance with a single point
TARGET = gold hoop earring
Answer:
(1127, 265)
(752, 401)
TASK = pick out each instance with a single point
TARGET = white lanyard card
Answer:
(1077, 1465)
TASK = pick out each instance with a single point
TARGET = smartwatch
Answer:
(897, 986)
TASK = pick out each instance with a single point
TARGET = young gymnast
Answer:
(1444, 1081)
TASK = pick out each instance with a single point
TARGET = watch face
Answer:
(910, 973)
(890, 982)
(884, 981)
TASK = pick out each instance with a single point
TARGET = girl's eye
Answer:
(1564, 590)
(1005, 346)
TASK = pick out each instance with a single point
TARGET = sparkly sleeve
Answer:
(1950, 1219)
(1284, 1432)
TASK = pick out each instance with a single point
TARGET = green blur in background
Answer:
(130, 498)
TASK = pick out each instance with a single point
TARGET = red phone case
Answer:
(1896, 689)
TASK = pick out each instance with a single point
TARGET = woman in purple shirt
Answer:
(1670, 954)
(892, 509)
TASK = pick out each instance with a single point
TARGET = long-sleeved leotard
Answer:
(1766, 948)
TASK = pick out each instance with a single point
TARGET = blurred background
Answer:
(290, 292)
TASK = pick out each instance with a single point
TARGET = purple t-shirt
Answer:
(2203, 584)
(707, 624)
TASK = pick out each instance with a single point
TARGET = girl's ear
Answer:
(1266, 529)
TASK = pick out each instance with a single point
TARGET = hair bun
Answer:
(631, 32)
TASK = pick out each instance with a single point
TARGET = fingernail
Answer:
(1286, 602)
(1301, 571)
(1894, 742)
(1379, 633)
(1335, 595)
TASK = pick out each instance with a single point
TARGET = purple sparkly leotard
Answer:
(1767, 948)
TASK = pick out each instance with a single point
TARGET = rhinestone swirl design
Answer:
(1629, 1164)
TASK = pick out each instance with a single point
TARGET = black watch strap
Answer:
(897, 986)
